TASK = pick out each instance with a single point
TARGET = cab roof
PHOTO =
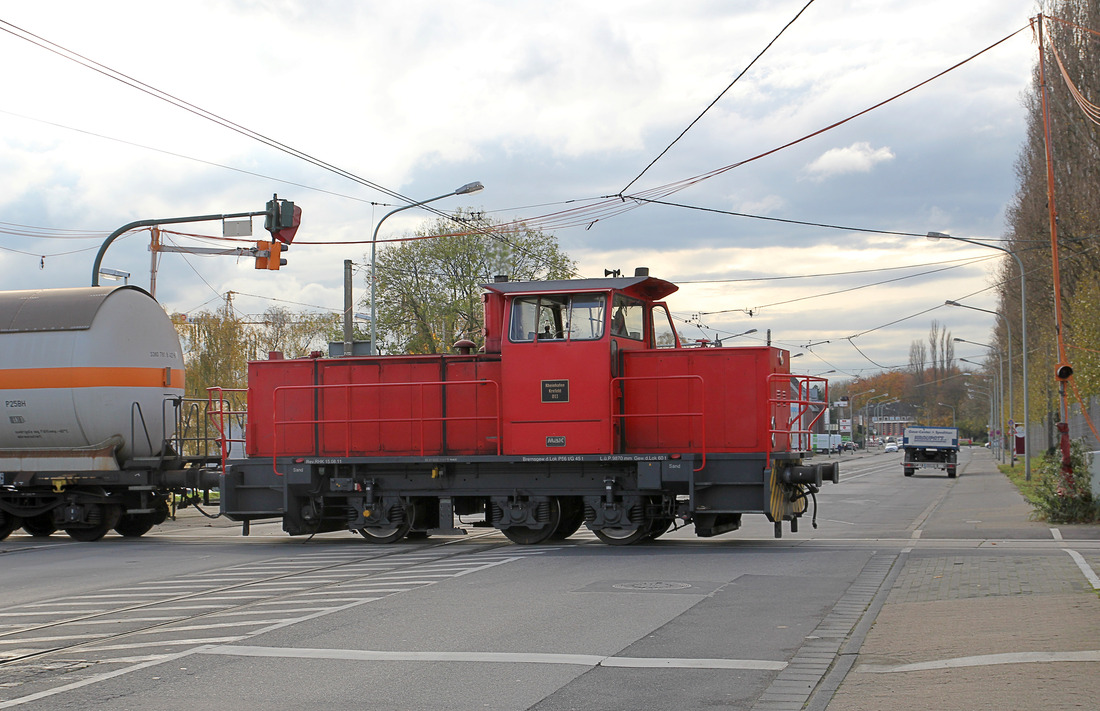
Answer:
(641, 287)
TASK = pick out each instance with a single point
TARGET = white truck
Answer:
(930, 448)
(826, 442)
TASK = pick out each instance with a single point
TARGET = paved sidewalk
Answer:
(1003, 628)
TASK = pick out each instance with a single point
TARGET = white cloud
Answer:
(856, 158)
(544, 103)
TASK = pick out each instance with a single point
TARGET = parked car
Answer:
(891, 447)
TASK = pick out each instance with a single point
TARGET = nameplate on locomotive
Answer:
(555, 441)
(555, 391)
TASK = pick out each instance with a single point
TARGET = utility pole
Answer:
(348, 335)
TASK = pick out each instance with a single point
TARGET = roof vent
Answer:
(500, 278)
(641, 271)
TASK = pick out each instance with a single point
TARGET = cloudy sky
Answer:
(554, 106)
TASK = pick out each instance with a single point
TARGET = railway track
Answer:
(114, 627)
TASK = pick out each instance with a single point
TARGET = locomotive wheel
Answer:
(531, 535)
(572, 516)
(625, 536)
(111, 513)
(8, 523)
(39, 526)
(389, 534)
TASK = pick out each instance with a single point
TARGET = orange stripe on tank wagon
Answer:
(39, 378)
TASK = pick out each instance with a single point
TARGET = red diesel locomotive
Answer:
(582, 408)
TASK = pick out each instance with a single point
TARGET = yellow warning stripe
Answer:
(106, 377)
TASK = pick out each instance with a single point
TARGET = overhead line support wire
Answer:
(716, 99)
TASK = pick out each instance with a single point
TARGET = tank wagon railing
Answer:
(222, 407)
(792, 393)
(664, 414)
(194, 435)
(347, 420)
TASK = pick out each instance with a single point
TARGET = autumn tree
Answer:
(429, 289)
(1071, 64)
(217, 345)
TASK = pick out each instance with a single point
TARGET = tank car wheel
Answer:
(625, 536)
(8, 523)
(572, 516)
(111, 513)
(40, 526)
(659, 527)
(135, 525)
(532, 535)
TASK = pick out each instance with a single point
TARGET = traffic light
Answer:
(273, 260)
(282, 218)
(1063, 371)
(263, 251)
(269, 255)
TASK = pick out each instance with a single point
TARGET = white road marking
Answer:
(1056, 533)
(1083, 564)
(588, 660)
(983, 660)
(89, 681)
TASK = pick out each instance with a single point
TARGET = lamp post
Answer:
(1000, 386)
(989, 394)
(1011, 400)
(852, 410)
(944, 404)
(1023, 335)
(464, 190)
(867, 416)
(880, 408)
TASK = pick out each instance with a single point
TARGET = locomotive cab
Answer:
(562, 342)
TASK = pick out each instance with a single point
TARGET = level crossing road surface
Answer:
(909, 588)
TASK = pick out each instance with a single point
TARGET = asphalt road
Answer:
(194, 616)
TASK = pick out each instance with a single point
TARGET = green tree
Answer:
(215, 348)
(429, 289)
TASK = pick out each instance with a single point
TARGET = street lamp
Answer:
(881, 407)
(852, 410)
(464, 190)
(867, 425)
(1000, 386)
(1011, 400)
(1023, 335)
(977, 390)
(944, 404)
(115, 274)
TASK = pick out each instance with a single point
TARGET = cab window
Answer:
(577, 317)
(628, 318)
(664, 334)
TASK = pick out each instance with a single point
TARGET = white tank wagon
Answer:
(91, 382)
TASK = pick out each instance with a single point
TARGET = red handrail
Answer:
(347, 420)
(800, 397)
(700, 414)
(217, 414)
